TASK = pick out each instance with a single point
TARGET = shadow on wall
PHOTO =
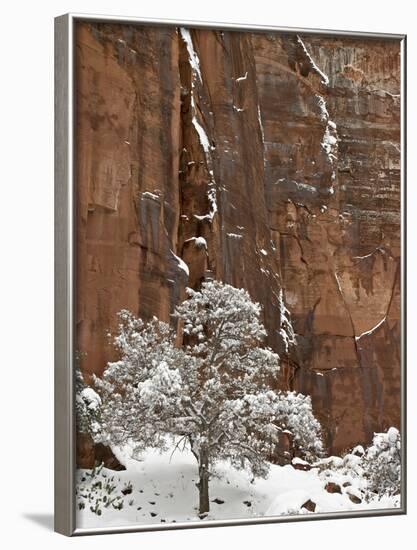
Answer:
(43, 520)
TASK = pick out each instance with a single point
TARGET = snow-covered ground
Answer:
(164, 491)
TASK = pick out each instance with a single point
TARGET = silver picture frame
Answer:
(65, 283)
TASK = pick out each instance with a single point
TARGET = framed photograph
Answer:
(230, 282)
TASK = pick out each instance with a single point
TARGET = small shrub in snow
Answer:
(87, 407)
(128, 488)
(97, 491)
(215, 392)
(375, 472)
(382, 464)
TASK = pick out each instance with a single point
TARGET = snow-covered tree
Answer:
(382, 463)
(216, 391)
(87, 407)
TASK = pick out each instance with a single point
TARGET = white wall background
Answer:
(26, 272)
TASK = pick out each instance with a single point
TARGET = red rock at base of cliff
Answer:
(332, 487)
(90, 454)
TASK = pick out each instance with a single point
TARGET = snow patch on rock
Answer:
(324, 77)
(199, 242)
(181, 264)
(205, 144)
(286, 328)
(242, 77)
(330, 137)
(371, 330)
(149, 195)
(193, 57)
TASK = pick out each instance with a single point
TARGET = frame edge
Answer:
(245, 27)
(403, 281)
(63, 354)
(64, 429)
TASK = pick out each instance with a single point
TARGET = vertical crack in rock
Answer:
(192, 56)
(261, 128)
(202, 135)
(197, 186)
(373, 329)
(358, 355)
(329, 140)
(324, 77)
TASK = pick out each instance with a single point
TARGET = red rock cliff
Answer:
(268, 161)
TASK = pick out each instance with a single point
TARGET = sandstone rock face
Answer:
(332, 487)
(309, 505)
(269, 161)
(90, 454)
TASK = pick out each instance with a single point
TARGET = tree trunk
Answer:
(203, 485)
